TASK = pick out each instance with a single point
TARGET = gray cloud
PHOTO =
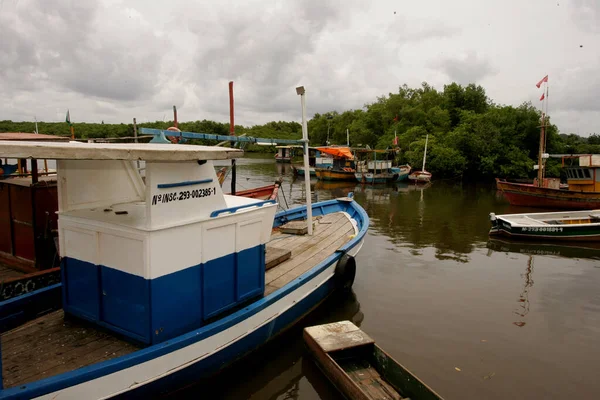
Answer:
(113, 60)
(69, 45)
(586, 15)
(471, 68)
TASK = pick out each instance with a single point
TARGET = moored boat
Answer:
(359, 368)
(370, 169)
(402, 172)
(421, 176)
(583, 192)
(284, 154)
(342, 167)
(567, 225)
(167, 279)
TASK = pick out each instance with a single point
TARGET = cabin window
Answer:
(587, 174)
(579, 173)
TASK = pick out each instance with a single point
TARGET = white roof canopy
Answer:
(115, 151)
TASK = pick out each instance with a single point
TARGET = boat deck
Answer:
(330, 233)
(53, 344)
(7, 273)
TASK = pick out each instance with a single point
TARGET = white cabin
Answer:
(157, 258)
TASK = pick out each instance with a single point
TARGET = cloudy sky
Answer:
(113, 60)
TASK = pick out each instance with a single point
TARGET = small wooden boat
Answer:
(566, 225)
(342, 167)
(421, 176)
(402, 172)
(359, 368)
(346, 174)
(373, 170)
(268, 192)
(284, 154)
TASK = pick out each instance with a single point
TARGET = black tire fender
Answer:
(345, 271)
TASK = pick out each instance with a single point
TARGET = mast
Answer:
(347, 137)
(302, 93)
(540, 175)
(425, 152)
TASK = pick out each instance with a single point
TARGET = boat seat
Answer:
(555, 222)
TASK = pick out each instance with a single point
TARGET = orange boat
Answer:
(343, 164)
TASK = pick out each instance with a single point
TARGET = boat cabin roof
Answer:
(115, 151)
(35, 137)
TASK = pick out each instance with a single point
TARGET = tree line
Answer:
(470, 137)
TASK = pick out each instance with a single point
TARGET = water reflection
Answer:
(589, 250)
(523, 308)
(289, 371)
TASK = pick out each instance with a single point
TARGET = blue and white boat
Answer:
(164, 277)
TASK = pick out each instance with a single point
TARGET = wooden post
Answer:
(34, 171)
(72, 132)
(232, 133)
(135, 130)
(542, 140)
(135, 136)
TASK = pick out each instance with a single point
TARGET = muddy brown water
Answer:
(473, 318)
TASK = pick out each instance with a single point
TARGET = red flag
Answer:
(543, 97)
(544, 79)
(396, 118)
(396, 141)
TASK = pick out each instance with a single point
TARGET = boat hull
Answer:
(300, 171)
(401, 173)
(200, 353)
(519, 194)
(335, 175)
(374, 178)
(261, 193)
(546, 232)
(420, 177)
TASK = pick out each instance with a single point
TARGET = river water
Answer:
(473, 319)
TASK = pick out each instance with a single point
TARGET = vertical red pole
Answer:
(232, 132)
(231, 122)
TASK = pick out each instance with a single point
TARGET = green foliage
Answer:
(469, 135)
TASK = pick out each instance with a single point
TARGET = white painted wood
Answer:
(178, 211)
(89, 184)
(246, 235)
(174, 249)
(115, 151)
(79, 243)
(122, 253)
(218, 241)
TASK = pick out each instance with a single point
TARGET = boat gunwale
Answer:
(108, 367)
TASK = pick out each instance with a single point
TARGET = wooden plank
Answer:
(8, 273)
(333, 371)
(311, 247)
(295, 228)
(369, 380)
(298, 265)
(276, 256)
(338, 336)
(51, 345)
(292, 241)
